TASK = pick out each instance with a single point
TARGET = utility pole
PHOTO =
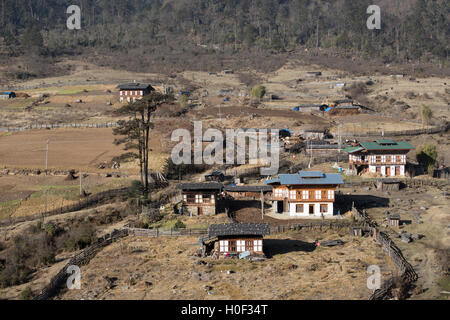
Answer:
(340, 140)
(310, 154)
(262, 205)
(46, 156)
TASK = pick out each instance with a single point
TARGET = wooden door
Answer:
(397, 171)
(311, 209)
(388, 171)
(199, 211)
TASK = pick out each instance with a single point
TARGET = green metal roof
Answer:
(385, 141)
(392, 145)
(353, 149)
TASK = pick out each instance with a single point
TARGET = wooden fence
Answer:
(164, 232)
(322, 225)
(79, 259)
(407, 181)
(59, 125)
(96, 199)
(407, 273)
(415, 132)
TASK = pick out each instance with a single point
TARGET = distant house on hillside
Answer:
(134, 91)
(385, 157)
(7, 95)
(304, 194)
(200, 198)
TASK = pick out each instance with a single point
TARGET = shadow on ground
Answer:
(344, 201)
(273, 247)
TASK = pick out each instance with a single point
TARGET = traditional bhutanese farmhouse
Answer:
(232, 239)
(200, 198)
(7, 95)
(304, 194)
(385, 157)
(247, 192)
(131, 92)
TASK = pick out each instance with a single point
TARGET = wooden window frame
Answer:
(318, 195)
(198, 198)
(257, 245)
(223, 246)
(330, 194)
(240, 245)
(305, 195)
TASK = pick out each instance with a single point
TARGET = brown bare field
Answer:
(425, 254)
(79, 149)
(162, 268)
(68, 148)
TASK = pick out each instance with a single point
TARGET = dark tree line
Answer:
(410, 29)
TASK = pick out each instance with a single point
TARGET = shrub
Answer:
(51, 229)
(174, 224)
(136, 189)
(24, 256)
(79, 237)
(426, 114)
(258, 91)
(426, 155)
(26, 294)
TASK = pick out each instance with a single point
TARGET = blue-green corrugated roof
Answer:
(306, 178)
(353, 149)
(386, 145)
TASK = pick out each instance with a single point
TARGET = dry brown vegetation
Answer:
(162, 268)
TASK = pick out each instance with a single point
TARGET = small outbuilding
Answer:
(233, 239)
(7, 95)
(388, 184)
(394, 220)
(356, 231)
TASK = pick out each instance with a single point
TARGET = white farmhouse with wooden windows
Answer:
(385, 157)
(131, 92)
(304, 194)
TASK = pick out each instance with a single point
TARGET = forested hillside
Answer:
(410, 29)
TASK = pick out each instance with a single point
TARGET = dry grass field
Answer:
(429, 254)
(162, 268)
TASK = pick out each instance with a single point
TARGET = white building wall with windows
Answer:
(305, 213)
